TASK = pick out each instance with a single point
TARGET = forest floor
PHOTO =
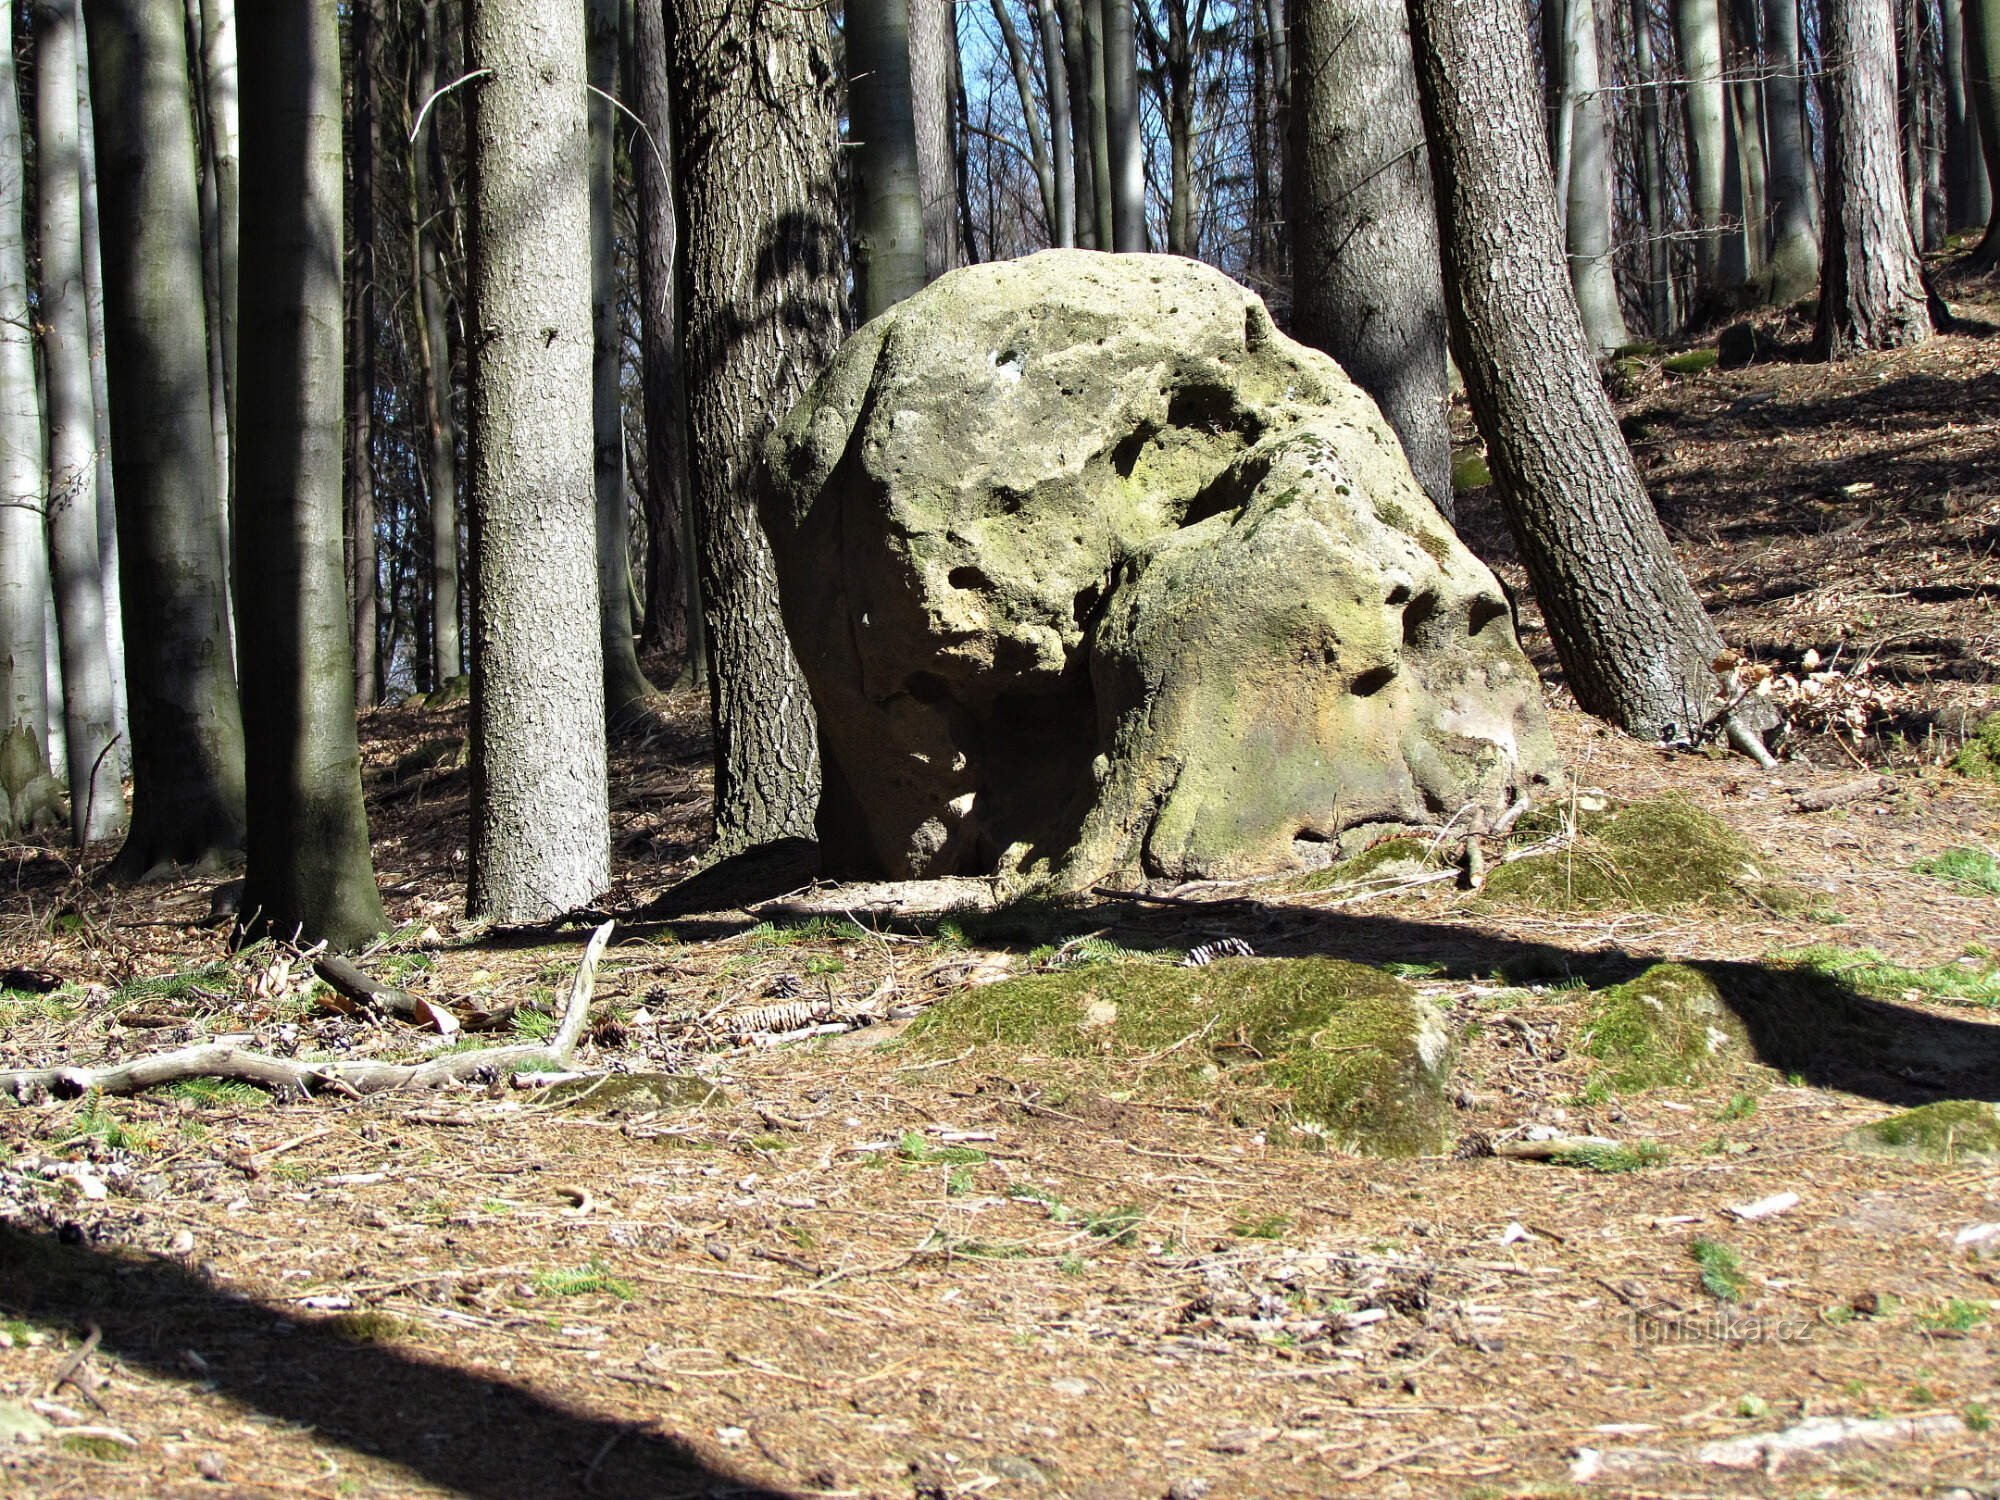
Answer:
(849, 1265)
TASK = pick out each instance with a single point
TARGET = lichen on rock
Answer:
(1092, 573)
(1347, 1056)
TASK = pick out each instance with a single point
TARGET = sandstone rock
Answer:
(1093, 572)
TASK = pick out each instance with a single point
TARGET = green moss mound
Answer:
(1660, 855)
(1669, 1026)
(1381, 861)
(1352, 1058)
(1950, 1132)
(1980, 755)
(1693, 362)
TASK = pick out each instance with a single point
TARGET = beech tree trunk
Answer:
(1982, 77)
(1793, 269)
(1062, 165)
(24, 579)
(208, 195)
(1083, 157)
(97, 800)
(933, 59)
(434, 370)
(761, 313)
(540, 829)
(1587, 221)
(1366, 284)
(1652, 164)
(187, 730)
(1635, 645)
(1698, 29)
(626, 690)
(1024, 89)
(309, 877)
(888, 199)
(1121, 122)
(1871, 286)
(360, 505)
(1968, 199)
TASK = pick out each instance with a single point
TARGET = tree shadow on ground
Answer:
(477, 1435)
(1799, 1020)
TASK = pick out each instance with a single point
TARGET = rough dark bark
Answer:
(933, 59)
(361, 366)
(97, 801)
(1635, 646)
(187, 732)
(309, 877)
(540, 831)
(672, 587)
(761, 302)
(1872, 293)
(888, 202)
(1366, 284)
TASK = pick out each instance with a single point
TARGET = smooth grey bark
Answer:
(221, 142)
(626, 690)
(933, 71)
(362, 561)
(1076, 63)
(1055, 81)
(187, 732)
(1635, 646)
(1698, 31)
(1124, 151)
(671, 553)
(1872, 294)
(308, 877)
(100, 401)
(212, 299)
(1098, 119)
(1366, 283)
(433, 348)
(761, 315)
(24, 579)
(882, 130)
(1793, 269)
(1652, 169)
(1747, 130)
(1968, 194)
(1587, 227)
(97, 799)
(540, 820)
(1982, 77)
(1024, 90)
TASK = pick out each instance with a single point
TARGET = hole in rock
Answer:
(1125, 457)
(1373, 681)
(926, 687)
(1417, 614)
(1084, 605)
(1485, 610)
(1400, 594)
(965, 577)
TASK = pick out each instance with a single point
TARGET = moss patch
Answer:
(1350, 1057)
(1980, 755)
(1659, 855)
(1668, 1026)
(1692, 362)
(1391, 857)
(1469, 471)
(1955, 1130)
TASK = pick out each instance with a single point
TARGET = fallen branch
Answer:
(1555, 1148)
(347, 979)
(354, 1078)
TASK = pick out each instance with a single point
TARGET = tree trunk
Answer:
(1746, 98)
(1652, 166)
(1871, 287)
(1968, 194)
(540, 830)
(360, 502)
(888, 202)
(1793, 269)
(1634, 643)
(626, 690)
(933, 52)
(1121, 121)
(187, 732)
(309, 877)
(100, 402)
(1588, 220)
(1024, 89)
(1982, 77)
(660, 381)
(1076, 62)
(221, 140)
(97, 800)
(24, 581)
(1061, 165)
(761, 316)
(434, 373)
(1099, 117)
(1366, 284)
(211, 287)
(1698, 29)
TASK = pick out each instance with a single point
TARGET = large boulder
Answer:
(1093, 572)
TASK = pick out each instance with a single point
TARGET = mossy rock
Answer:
(1690, 362)
(1396, 856)
(1659, 855)
(452, 690)
(631, 1093)
(1353, 1059)
(1980, 755)
(1669, 1026)
(1952, 1132)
